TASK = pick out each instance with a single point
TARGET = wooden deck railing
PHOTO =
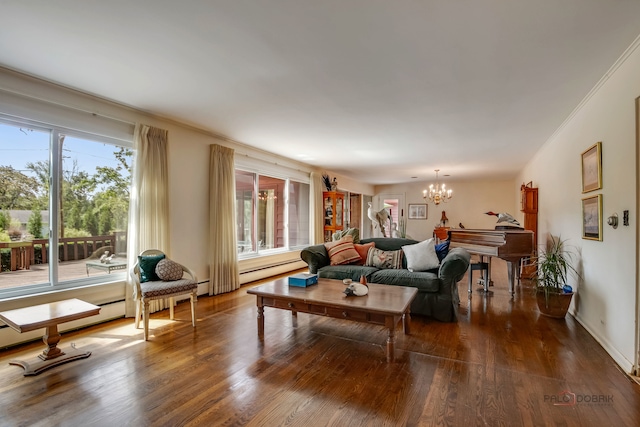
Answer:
(24, 254)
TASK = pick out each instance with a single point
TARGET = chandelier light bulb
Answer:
(437, 193)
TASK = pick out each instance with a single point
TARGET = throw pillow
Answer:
(384, 259)
(147, 265)
(342, 251)
(421, 256)
(442, 249)
(348, 232)
(363, 250)
(168, 270)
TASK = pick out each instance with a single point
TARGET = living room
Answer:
(607, 299)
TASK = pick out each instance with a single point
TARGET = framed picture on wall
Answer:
(592, 218)
(418, 211)
(592, 168)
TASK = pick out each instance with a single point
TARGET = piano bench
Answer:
(477, 265)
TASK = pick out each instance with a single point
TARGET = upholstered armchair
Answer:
(157, 277)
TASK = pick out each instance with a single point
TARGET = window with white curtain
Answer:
(64, 203)
(272, 213)
(298, 214)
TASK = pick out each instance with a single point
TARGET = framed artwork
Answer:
(592, 218)
(418, 211)
(592, 168)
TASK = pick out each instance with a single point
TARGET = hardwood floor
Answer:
(501, 364)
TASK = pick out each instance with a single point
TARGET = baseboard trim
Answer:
(263, 273)
(623, 363)
(10, 337)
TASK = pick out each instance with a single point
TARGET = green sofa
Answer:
(437, 289)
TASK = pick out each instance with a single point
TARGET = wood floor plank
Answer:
(501, 364)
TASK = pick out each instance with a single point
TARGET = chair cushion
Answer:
(350, 271)
(425, 281)
(384, 259)
(342, 251)
(161, 288)
(168, 270)
(363, 250)
(421, 256)
(442, 249)
(147, 265)
(354, 232)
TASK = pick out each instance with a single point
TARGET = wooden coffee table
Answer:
(49, 316)
(384, 305)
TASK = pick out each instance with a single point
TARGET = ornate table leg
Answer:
(406, 323)
(260, 318)
(51, 338)
(51, 356)
(391, 339)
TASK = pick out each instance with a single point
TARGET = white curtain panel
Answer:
(316, 218)
(149, 204)
(224, 275)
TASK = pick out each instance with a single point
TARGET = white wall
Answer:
(471, 199)
(350, 185)
(606, 297)
(25, 97)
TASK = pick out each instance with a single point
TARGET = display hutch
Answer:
(529, 206)
(333, 205)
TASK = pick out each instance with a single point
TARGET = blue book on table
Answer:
(303, 279)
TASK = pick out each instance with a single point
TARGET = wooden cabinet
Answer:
(441, 233)
(529, 206)
(333, 205)
(528, 198)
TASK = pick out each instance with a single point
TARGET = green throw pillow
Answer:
(147, 265)
(348, 232)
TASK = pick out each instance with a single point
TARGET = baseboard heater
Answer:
(109, 311)
(272, 265)
(264, 271)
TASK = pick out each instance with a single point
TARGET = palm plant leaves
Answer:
(555, 264)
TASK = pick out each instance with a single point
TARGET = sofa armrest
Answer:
(316, 257)
(454, 265)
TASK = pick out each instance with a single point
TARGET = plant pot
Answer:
(558, 304)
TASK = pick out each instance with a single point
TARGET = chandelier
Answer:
(437, 193)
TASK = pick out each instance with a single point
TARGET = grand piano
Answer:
(509, 245)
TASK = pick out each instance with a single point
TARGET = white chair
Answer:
(160, 289)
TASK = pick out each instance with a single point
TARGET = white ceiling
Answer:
(377, 90)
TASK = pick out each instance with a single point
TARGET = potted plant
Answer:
(554, 264)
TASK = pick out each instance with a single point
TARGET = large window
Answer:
(64, 202)
(298, 214)
(272, 213)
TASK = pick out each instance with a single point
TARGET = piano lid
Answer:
(506, 244)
